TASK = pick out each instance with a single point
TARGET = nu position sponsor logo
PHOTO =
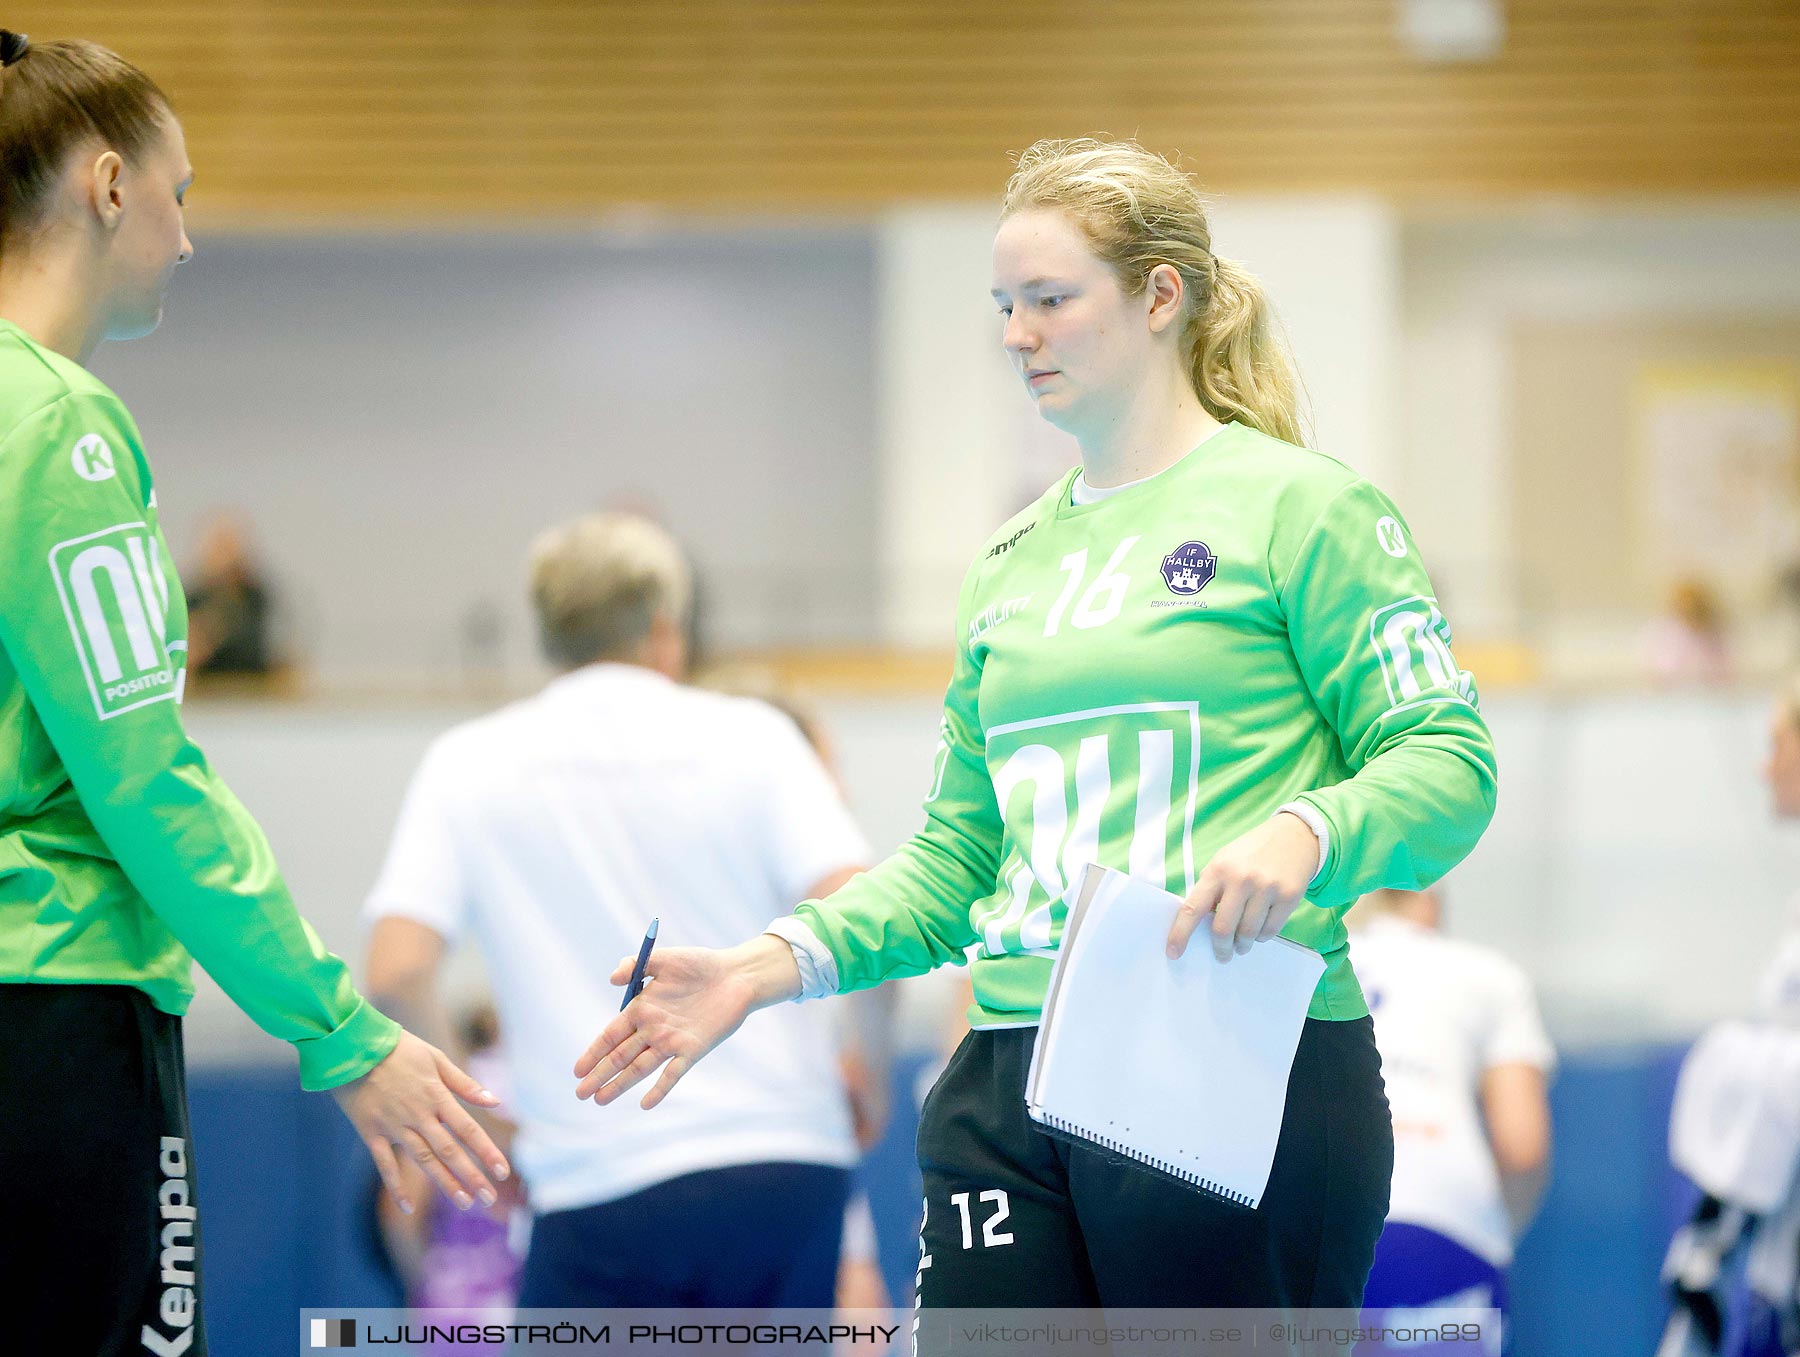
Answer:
(1412, 642)
(115, 596)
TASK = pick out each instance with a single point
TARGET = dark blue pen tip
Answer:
(653, 924)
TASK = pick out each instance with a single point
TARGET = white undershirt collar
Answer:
(1083, 493)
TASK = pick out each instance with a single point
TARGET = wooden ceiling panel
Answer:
(435, 109)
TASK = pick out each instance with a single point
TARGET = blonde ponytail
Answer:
(1138, 211)
(1242, 369)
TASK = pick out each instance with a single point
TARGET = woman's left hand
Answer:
(1250, 887)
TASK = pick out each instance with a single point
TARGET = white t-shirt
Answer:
(1778, 993)
(1445, 1013)
(552, 832)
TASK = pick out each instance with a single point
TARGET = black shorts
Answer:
(748, 1237)
(101, 1250)
(1016, 1218)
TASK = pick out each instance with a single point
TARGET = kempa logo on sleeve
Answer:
(93, 459)
(1391, 537)
(115, 595)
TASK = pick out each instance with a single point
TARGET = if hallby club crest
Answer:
(1189, 568)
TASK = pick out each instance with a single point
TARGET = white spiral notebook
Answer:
(1180, 1065)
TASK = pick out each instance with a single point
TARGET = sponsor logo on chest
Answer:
(996, 614)
(1001, 548)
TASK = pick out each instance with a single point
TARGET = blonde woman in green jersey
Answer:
(1207, 656)
(122, 855)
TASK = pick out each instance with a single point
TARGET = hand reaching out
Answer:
(409, 1100)
(694, 999)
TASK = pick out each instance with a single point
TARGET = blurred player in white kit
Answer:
(1467, 1065)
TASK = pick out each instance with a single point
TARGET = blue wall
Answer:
(285, 1188)
(1585, 1280)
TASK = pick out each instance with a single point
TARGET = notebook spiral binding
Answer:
(1070, 1131)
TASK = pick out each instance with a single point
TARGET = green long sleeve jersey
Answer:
(122, 855)
(1140, 680)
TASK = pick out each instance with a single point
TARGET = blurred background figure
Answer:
(1687, 641)
(1467, 1064)
(700, 640)
(464, 1262)
(864, 1021)
(860, 1285)
(1787, 608)
(1735, 1131)
(230, 603)
(551, 833)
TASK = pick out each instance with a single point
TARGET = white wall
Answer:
(1331, 265)
(399, 416)
(1468, 278)
(952, 420)
(1633, 868)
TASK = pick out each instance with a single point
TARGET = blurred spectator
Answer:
(1735, 1130)
(228, 601)
(699, 615)
(462, 1261)
(1686, 642)
(552, 832)
(865, 1020)
(1466, 1061)
(860, 1285)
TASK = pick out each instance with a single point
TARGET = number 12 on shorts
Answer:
(990, 1228)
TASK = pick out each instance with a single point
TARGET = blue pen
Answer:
(636, 987)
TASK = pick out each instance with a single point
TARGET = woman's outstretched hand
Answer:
(409, 1100)
(693, 998)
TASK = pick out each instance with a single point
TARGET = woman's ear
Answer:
(104, 191)
(1164, 291)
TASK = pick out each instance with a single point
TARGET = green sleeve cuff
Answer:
(349, 1051)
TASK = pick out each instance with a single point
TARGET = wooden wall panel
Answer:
(1578, 472)
(415, 109)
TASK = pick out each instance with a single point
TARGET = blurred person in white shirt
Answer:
(551, 832)
(1734, 1129)
(864, 1020)
(1467, 1064)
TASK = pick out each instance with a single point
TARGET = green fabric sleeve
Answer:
(86, 586)
(910, 914)
(1374, 650)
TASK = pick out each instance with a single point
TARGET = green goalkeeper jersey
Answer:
(122, 855)
(1140, 680)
